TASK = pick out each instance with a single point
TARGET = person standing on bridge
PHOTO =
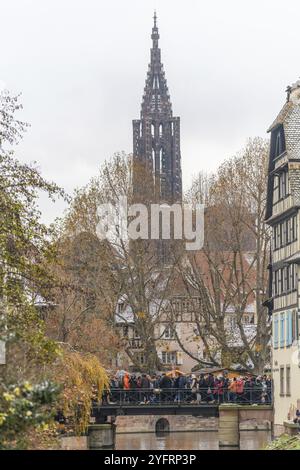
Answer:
(165, 385)
(179, 385)
(232, 390)
(194, 389)
(126, 386)
(240, 389)
(145, 386)
(219, 390)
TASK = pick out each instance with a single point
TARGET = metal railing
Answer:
(175, 396)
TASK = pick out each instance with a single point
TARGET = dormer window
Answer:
(278, 145)
(278, 142)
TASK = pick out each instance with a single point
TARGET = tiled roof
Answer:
(281, 116)
(292, 132)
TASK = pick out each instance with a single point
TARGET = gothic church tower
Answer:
(156, 135)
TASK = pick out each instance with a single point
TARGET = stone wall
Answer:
(253, 418)
(177, 423)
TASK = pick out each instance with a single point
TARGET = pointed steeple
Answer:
(156, 98)
(156, 135)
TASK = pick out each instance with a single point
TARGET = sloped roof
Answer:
(281, 116)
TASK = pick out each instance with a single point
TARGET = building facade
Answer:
(178, 343)
(283, 204)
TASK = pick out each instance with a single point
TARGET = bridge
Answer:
(120, 402)
(232, 410)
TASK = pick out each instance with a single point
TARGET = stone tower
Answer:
(156, 135)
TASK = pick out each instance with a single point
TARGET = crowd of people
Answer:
(189, 388)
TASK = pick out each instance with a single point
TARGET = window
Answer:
(279, 280)
(140, 358)
(294, 228)
(160, 130)
(288, 279)
(169, 332)
(168, 357)
(281, 380)
(274, 283)
(288, 380)
(293, 277)
(125, 331)
(277, 145)
(276, 189)
(285, 233)
(172, 128)
(152, 128)
(278, 142)
(120, 307)
(283, 185)
(284, 280)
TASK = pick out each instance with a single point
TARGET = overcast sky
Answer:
(81, 67)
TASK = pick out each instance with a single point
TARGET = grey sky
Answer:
(81, 66)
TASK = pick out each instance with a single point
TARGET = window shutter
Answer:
(179, 358)
(282, 330)
(290, 328)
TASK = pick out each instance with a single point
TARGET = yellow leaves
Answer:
(2, 418)
(43, 427)
(83, 379)
(58, 351)
(141, 315)
(8, 396)
(27, 386)
(17, 391)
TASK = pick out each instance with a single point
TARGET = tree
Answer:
(131, 271)
(37, 368)
(230, 273)
(24, 242)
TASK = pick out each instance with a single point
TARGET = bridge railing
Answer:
(203, 396)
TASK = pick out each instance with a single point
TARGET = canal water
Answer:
(249, 440)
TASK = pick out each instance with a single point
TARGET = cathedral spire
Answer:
(156, 135)
(156, 99)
